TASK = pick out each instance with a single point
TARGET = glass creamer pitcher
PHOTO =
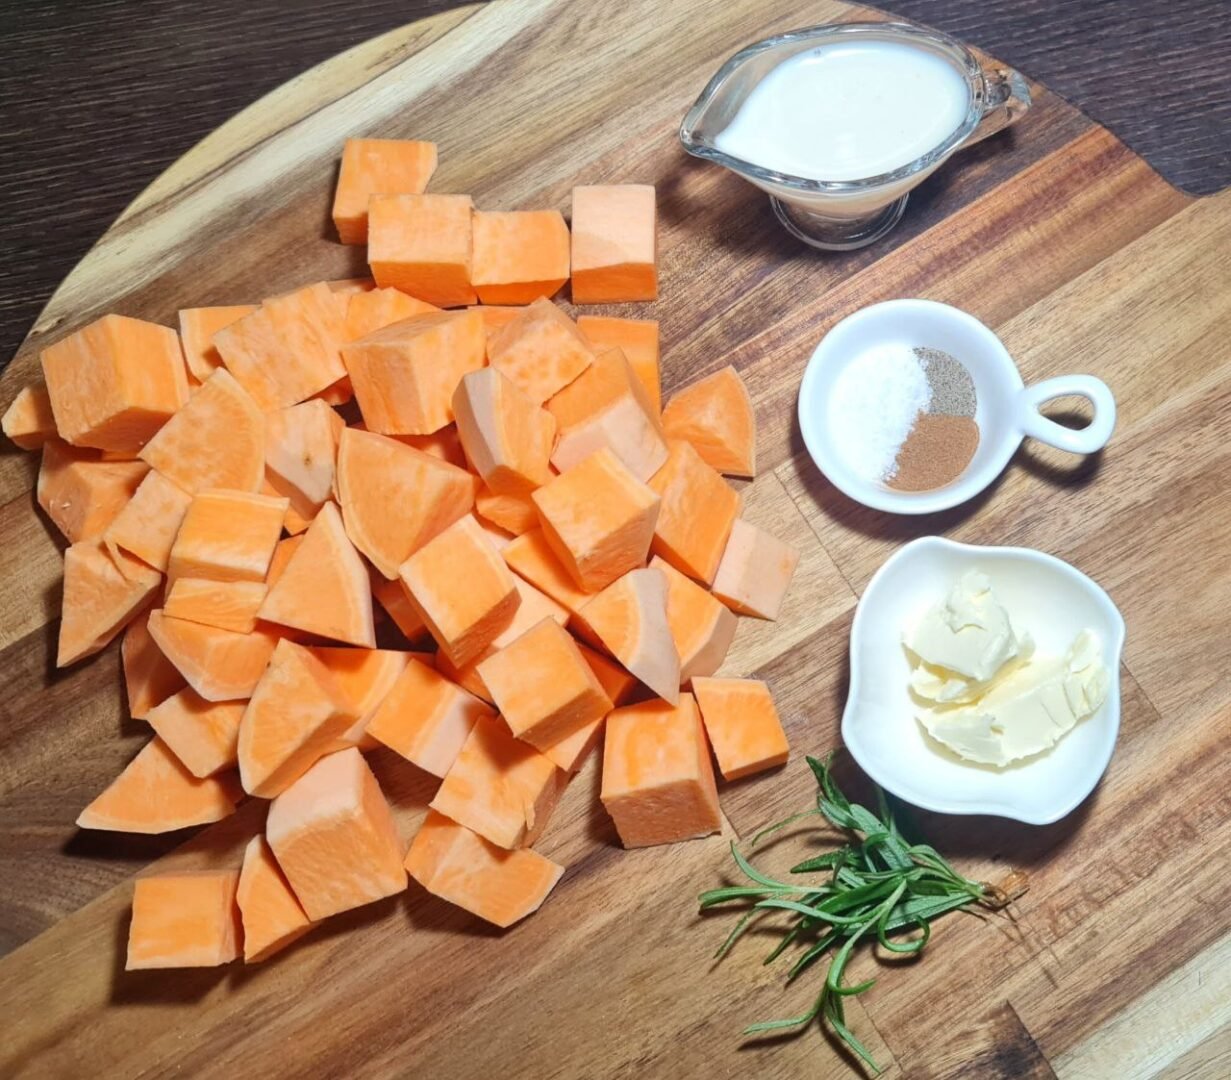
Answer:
(842, 214)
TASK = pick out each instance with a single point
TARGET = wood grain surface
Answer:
(1055, 234)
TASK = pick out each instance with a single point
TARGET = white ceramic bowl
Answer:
(1007, 410)
(1043, 595)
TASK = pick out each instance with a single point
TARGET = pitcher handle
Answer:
(1006, 99)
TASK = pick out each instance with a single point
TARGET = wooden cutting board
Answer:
(1114, 963)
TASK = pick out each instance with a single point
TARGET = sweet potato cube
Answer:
(755, 571)
(217, 440)
(426, 718)
(114, 383)
(301, 452)
(716, 417)
(229, 605)
(637, 339)
(615, 245)
(543, 686)
(272, 917)
(333, 835)
(422, 244)
(405, 374)
(351, 285)
(102, 592)
(500, 787)
(81, 494)
(149, 522)
(377, 167)
(658, 782)
(287, 350)
(227, 536)
(220, 665)
(629, 617)
(197, 329)
(29, 421)
(324, 588)
(497, 316)
(296, 715)
(395, 498)
(184, 919)
(698, 510)
(506, 436)
(364, 677)
(742, 724)
(396, 603)
(444, 444)
(500, 538)
(204, 735)
(156, 794)
(367, 312)
(282, 556)
(701, 627)
(462, 589)
(459, 866)
(514, 514)
(606, 405)
(533, 558)
(598, 518)
(541, 351)
(618, 684)
(149, 677)
(519, 255)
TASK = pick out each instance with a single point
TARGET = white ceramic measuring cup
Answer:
(1007, 410)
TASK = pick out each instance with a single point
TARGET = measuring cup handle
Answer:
(1006, 99)
(1088, 440)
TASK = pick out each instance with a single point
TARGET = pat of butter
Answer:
(1027, 711)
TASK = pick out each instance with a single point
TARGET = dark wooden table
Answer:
(99, 96)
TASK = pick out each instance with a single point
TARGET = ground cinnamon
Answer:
(935, 453)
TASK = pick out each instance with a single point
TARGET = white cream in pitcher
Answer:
(848, 111)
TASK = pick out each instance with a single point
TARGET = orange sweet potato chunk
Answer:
(701, 627)
(324, 588)
(81, 494)
(755, 571)
(149, 522)
(405, 374)
(698, 510)
(272, 917)
(155, 794)
(715, 415)
(426, 718)
(423, 245)
(459, 866)
(220, 665)
(217, 440)
(606, 405)
(287, 350)
(334, 837)
(184, 919)
(500, 787)
(197, 329)
(630, 618)
(533, 558)
(658, 782)
(229, 605)
(615, 246)
(114, 383)
(462, 589)
(351, 285)
(541, 351)
(742, 724)
(364, 677)
(29, 421)
(519, 255)
(543, 686)
(149, 677)
(395, 498)
(367, 312)
(301, 451)
(598, 518)
(204, 735)
(506, 436)
(377, 167)
(637, 339)
(227, 536)
(396, 603)
(296, 715)
(497, 316)
(101, 593)
(513, 514)
(281, 557)
(445, 444)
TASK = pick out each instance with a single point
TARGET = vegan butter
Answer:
(981, 689)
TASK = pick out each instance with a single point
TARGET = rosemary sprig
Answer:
(875, 888)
